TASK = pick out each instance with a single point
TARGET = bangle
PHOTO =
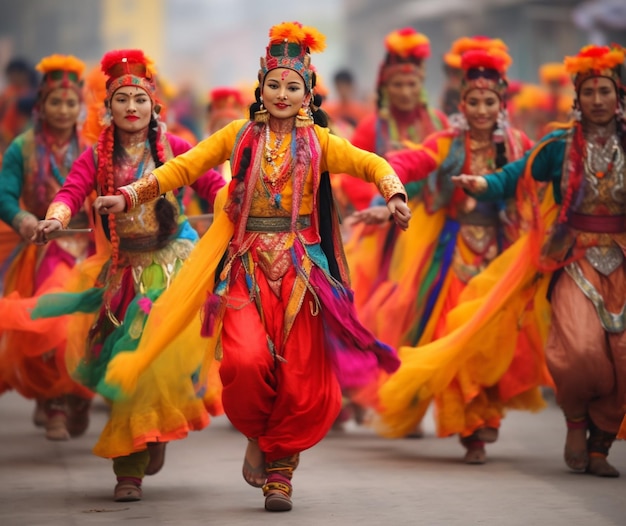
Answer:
(18, 219)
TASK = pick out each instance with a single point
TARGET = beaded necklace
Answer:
(274, 177)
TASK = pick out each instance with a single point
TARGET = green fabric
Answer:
(133, 465)
(53, 305)
(123, 338)
(11, 180)
(547, 167)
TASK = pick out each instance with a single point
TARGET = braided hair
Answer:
(166, 213)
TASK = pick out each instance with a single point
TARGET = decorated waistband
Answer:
(276, 224)
(600, 224)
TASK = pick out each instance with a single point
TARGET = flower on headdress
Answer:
(594, 58)
(464, 44)
(554, 72)
(408, 43)
(306, 36)
(128, 58)
(495, 59)
(61, 63)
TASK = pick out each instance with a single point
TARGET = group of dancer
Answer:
(483, 268)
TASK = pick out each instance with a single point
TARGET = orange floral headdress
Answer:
(289, 47)
(485, 69)
(406, 52)
(595, 61)
(554, 73)
(128, 67)
(461, 45)
(60, 71)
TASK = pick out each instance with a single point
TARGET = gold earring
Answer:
(262, 115)
(304, 117)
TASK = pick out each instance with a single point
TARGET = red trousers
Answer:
(287, 405)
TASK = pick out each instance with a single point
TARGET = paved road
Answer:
(351, 478)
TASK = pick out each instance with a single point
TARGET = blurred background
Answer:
(200, 44)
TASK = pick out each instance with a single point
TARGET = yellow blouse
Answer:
(338, 156)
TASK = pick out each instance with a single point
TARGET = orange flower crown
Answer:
(289, 47)
(461, 45)
(595, 61)
(406, 52)
(530, 97)
(128, 67)
(554, 73)
(60, 71)
(485, 69)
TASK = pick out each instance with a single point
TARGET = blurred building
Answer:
(206, 43)
(536, 31)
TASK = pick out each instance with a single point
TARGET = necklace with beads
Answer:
(599, 160)
(277, 167)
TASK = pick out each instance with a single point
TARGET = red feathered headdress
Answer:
(128, 67)
(485, 69)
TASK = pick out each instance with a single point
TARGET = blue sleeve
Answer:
(12, 181)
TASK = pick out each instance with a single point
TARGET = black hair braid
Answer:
(244, 163)
(166, 214)
(501, 159)
(256, 105)
(320, 117)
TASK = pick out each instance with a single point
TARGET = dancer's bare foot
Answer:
(576, 456)
(253, 470)
(475, 455)
(599, 467)
(487, 434)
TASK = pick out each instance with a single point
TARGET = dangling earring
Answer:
(107, 118)
(261, 115)
(304, 117)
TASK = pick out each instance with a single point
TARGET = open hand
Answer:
(475, 184)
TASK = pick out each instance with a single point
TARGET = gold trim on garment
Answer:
(61, 212)
(276, 224)
(612, 322)
(391, 185)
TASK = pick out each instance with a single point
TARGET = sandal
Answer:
(127, 490)
(157, 457)
(254, 475)
(277, 492)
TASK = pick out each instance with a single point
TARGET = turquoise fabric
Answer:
(547, 167)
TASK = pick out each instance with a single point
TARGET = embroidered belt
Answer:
(477, 218)
(276, 224)
(141, 244)
(614, 224)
